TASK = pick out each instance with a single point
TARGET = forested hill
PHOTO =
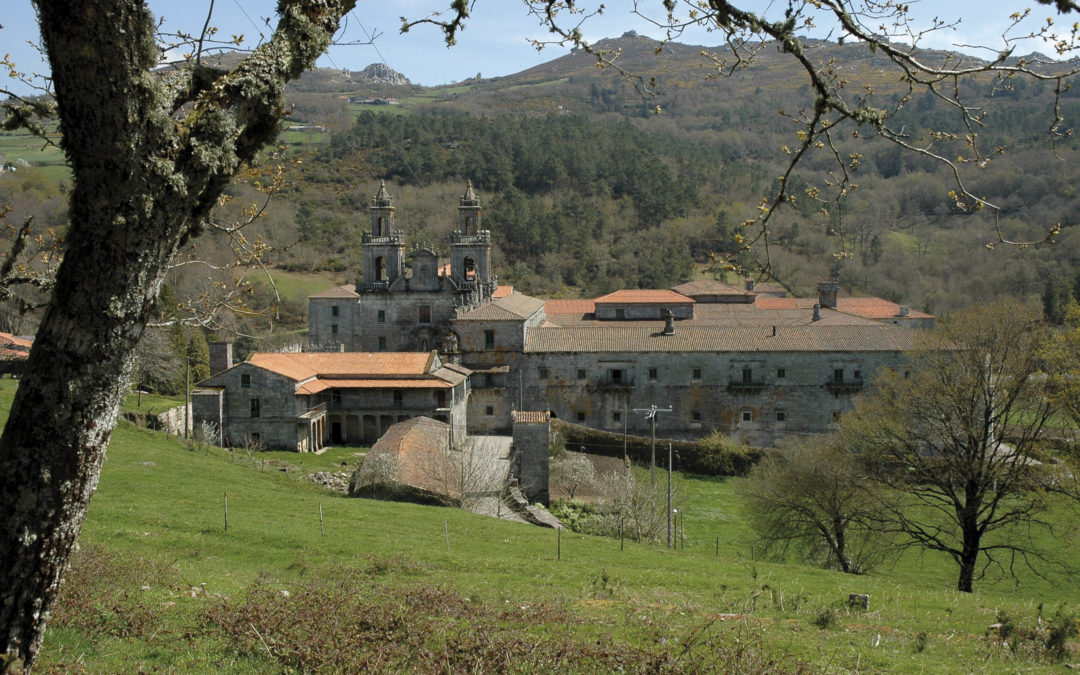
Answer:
(586, 188)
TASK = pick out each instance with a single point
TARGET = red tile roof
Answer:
(569, 307)
(502, 291)
(644, 296)
(361, 365)
(875, 308)
(9, 340)
(771, 302)
(531, 416)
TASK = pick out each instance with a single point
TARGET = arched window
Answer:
(469, 270)
(380, 269)
(379, 223)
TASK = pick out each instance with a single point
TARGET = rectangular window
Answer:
(255, 407)
(333, 329)
(857, 374)
(781, 416)
(334, 310)
(697, 416)
(382, 344)
(381, 318)
(424, 312)
(245, 381)
(652, 374)
(620, 314)
(746, 416)
(747, 375)
(489, 411)
(489, 339)
(398, 398)
(255, 438)
(488, 381)
(696, 374)
(581, 373)
(581, 417)
(781, 373)
(616, 416)
(542, 372)
(617, 375)
(838, 374)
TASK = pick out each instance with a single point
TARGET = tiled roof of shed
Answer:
(530, 416)
(644, 296)
(338, 292)
(513, 307)
(807, 338)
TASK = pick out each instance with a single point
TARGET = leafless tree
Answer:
(573, 472)
(958, 437)
(817, 498)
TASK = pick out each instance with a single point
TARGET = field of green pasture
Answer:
(297, 577)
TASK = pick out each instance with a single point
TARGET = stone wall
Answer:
(756, 397)
(531, 436)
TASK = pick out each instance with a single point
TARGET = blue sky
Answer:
(495, 41)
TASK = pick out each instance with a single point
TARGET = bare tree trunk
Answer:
(144, 180)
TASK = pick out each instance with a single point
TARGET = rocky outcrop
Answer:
(379, 73)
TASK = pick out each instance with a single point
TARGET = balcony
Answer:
(375, 286)
(742, 385)
(846, 386)
(616, 380)
(481, 237)
(394, 239)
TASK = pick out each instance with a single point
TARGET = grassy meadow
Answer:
(306, 579)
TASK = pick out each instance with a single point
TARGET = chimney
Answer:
(904, 311)
(817, 313)
(220, 357)
(827, 292)
(669, 322)
(749, 284)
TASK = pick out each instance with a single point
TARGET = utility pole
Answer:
(626, 415)
(669, 495)
(650, 414)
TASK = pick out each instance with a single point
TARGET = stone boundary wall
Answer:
(170, 421)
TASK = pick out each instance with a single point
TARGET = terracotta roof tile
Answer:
(875, 308)
(344, 364)
(531, 416)
(502, 291)
(644, 296)
(804, 338)
(772, 302)
(569, 307)
(709, 287)
(337, 292)
(380, 383)
(14, 341)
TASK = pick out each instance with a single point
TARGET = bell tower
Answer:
(470, 251)
(383, 247)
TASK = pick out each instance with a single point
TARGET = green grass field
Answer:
(160, 584)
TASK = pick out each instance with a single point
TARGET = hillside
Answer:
(159, 583)
(586, 189)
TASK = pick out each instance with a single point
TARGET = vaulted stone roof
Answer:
(809, 338)
(514, 307)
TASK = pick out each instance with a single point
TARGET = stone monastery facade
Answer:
(751, 362)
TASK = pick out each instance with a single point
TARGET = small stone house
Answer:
(305, 401)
